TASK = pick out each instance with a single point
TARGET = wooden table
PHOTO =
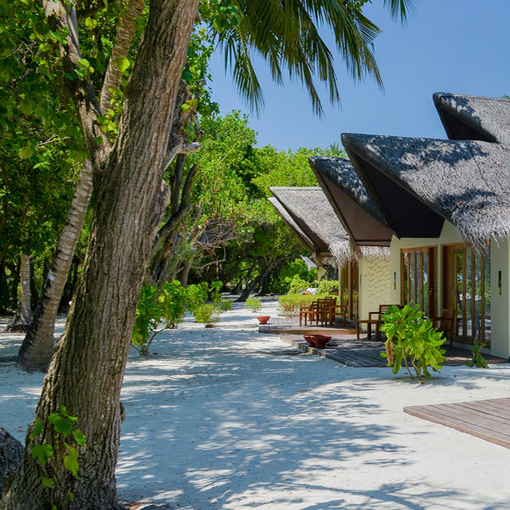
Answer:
(369, 323)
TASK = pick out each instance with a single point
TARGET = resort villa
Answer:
(443, 208)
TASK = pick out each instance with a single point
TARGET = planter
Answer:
(310, 340)
(263, 319)
(320, 341)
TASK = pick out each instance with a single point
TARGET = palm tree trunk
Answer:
(24, 312)
(37, 348)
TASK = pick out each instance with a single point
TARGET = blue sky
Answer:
(460, 46)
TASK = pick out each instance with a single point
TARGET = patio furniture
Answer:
(374, 319)
(445, 323)
(323, 309)
(309, 312)
(342, 310)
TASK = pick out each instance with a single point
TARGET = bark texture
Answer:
(24, 312)
(37, 348)
(87, 368)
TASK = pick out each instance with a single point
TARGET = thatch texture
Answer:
(287, 218)
(474, 118)
(310, 210)
(418, 182)
(351, 202)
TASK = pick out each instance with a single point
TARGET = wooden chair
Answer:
(342, 311)
(309, 312)
(445, 322)
(374, 319)
(323, 308)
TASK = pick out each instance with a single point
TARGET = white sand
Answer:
(226, 418)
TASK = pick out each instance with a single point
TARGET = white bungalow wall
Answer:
(500, 261)
(374, 285)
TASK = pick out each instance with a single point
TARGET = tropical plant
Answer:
(253, 304)
(477, 359)
(157, 310)
(207, 313)
(412, 341)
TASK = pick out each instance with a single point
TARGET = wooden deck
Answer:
(486, 419)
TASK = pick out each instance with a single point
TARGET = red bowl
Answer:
(263, 319)
(320, 341)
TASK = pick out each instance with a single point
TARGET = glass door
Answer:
(466, 289)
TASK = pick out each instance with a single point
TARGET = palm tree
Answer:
(287, 35)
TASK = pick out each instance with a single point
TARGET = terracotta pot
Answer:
(310, 340)
(263, 319)
(320, 341)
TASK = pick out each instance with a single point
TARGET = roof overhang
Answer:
(363, 228)
(405, 214)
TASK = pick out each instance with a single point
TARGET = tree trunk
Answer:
(24, 312)
(37, 348)
(87, 369)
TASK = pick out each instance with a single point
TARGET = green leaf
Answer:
(47, 482)
(63, 426)
(71, 461)
(39, 425)
(79, 437)
(122, 64)
(42, 452)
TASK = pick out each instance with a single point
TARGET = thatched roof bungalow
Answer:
(309, 211)
(360, 267)
(444, 201)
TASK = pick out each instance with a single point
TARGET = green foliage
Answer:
(327, 286)
(412, 341)
(477, 359)
(291, 303)
(67, 440)
(226, 305)
(298, 285)
(207, 313)
(253, 304)
(165, 308)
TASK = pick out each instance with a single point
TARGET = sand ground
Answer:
(228, 418)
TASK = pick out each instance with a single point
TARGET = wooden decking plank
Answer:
(471, 416)
(468, 418)
(489, 410)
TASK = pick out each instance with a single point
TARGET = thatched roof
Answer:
(419, 182)
(351, 202)
(474, 118)
(287, 218)
(310, 210)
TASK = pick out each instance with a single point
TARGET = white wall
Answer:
(374, 285)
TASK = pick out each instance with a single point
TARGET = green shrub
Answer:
(196, 295)
(298, 285)
(207, 313)
(477, 359)
(165, 308)
(253, 304)
(226, 305)
(291, 303)
(326, 287)
(412, 341)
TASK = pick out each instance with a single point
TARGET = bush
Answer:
(327, 286)
(207, 313)
(412, 341)
(253, 304)
(297, 285)
(291, 303)
(226, 305)
(155, 307)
